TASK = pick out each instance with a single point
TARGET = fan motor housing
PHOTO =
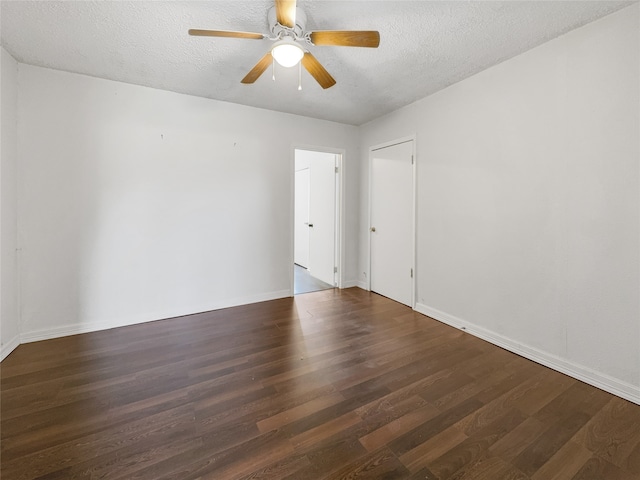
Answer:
(277, 29)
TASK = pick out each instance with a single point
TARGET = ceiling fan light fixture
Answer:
(288, 26)
(287, 52)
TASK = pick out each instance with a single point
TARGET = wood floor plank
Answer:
(292, 414)
(329, 458)
(332, 412)
(565, 463)
(328, 385)
(214, 461)
(122, 436)
(313, 436)
(411, 390)
(546, 445)
(381, 436)
(497, 375)
(378, 464)
(280, 469)
(493, 468)
(427, 452)
(426, 430)
(633, 462)
(580, 397)
(613, 433)
(464, 457)
(596, 468)
(514, 442)
(423, 474)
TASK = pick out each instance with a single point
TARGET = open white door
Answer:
(322, 219)
(301, 218)
(391, 227)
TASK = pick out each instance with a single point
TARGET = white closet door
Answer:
(391, 228)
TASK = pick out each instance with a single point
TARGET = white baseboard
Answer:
(77, 328)
(349, 284)
(9, 347)
(363, 285)
(600, 380)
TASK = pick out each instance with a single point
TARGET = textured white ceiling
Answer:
(425, 46)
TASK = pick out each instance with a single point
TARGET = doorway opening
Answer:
(316, 225)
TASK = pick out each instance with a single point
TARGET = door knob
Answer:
(310, 225)
(373, 229)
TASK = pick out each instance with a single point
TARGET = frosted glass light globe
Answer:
(287, 53)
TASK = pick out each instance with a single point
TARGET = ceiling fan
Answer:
(288, 30)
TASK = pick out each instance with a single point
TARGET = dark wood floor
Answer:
(332, 384)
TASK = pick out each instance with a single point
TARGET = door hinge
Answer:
(335, 269)
(336, 169)
(411, 159)
(412, 273)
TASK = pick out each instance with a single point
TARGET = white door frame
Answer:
(339, 234)
(413, 213)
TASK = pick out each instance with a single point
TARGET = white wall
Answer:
(139, 204)
(528, 202)
(9, 310)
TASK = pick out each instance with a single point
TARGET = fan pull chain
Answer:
(273, 68)
(299, 75)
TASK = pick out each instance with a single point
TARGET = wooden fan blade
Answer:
(259, 69)
(225, 33)
(286, 12)
(344, 38)
(317, 71)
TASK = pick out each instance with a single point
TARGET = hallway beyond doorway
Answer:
(303, 282)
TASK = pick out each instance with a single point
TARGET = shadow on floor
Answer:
(303, 282)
